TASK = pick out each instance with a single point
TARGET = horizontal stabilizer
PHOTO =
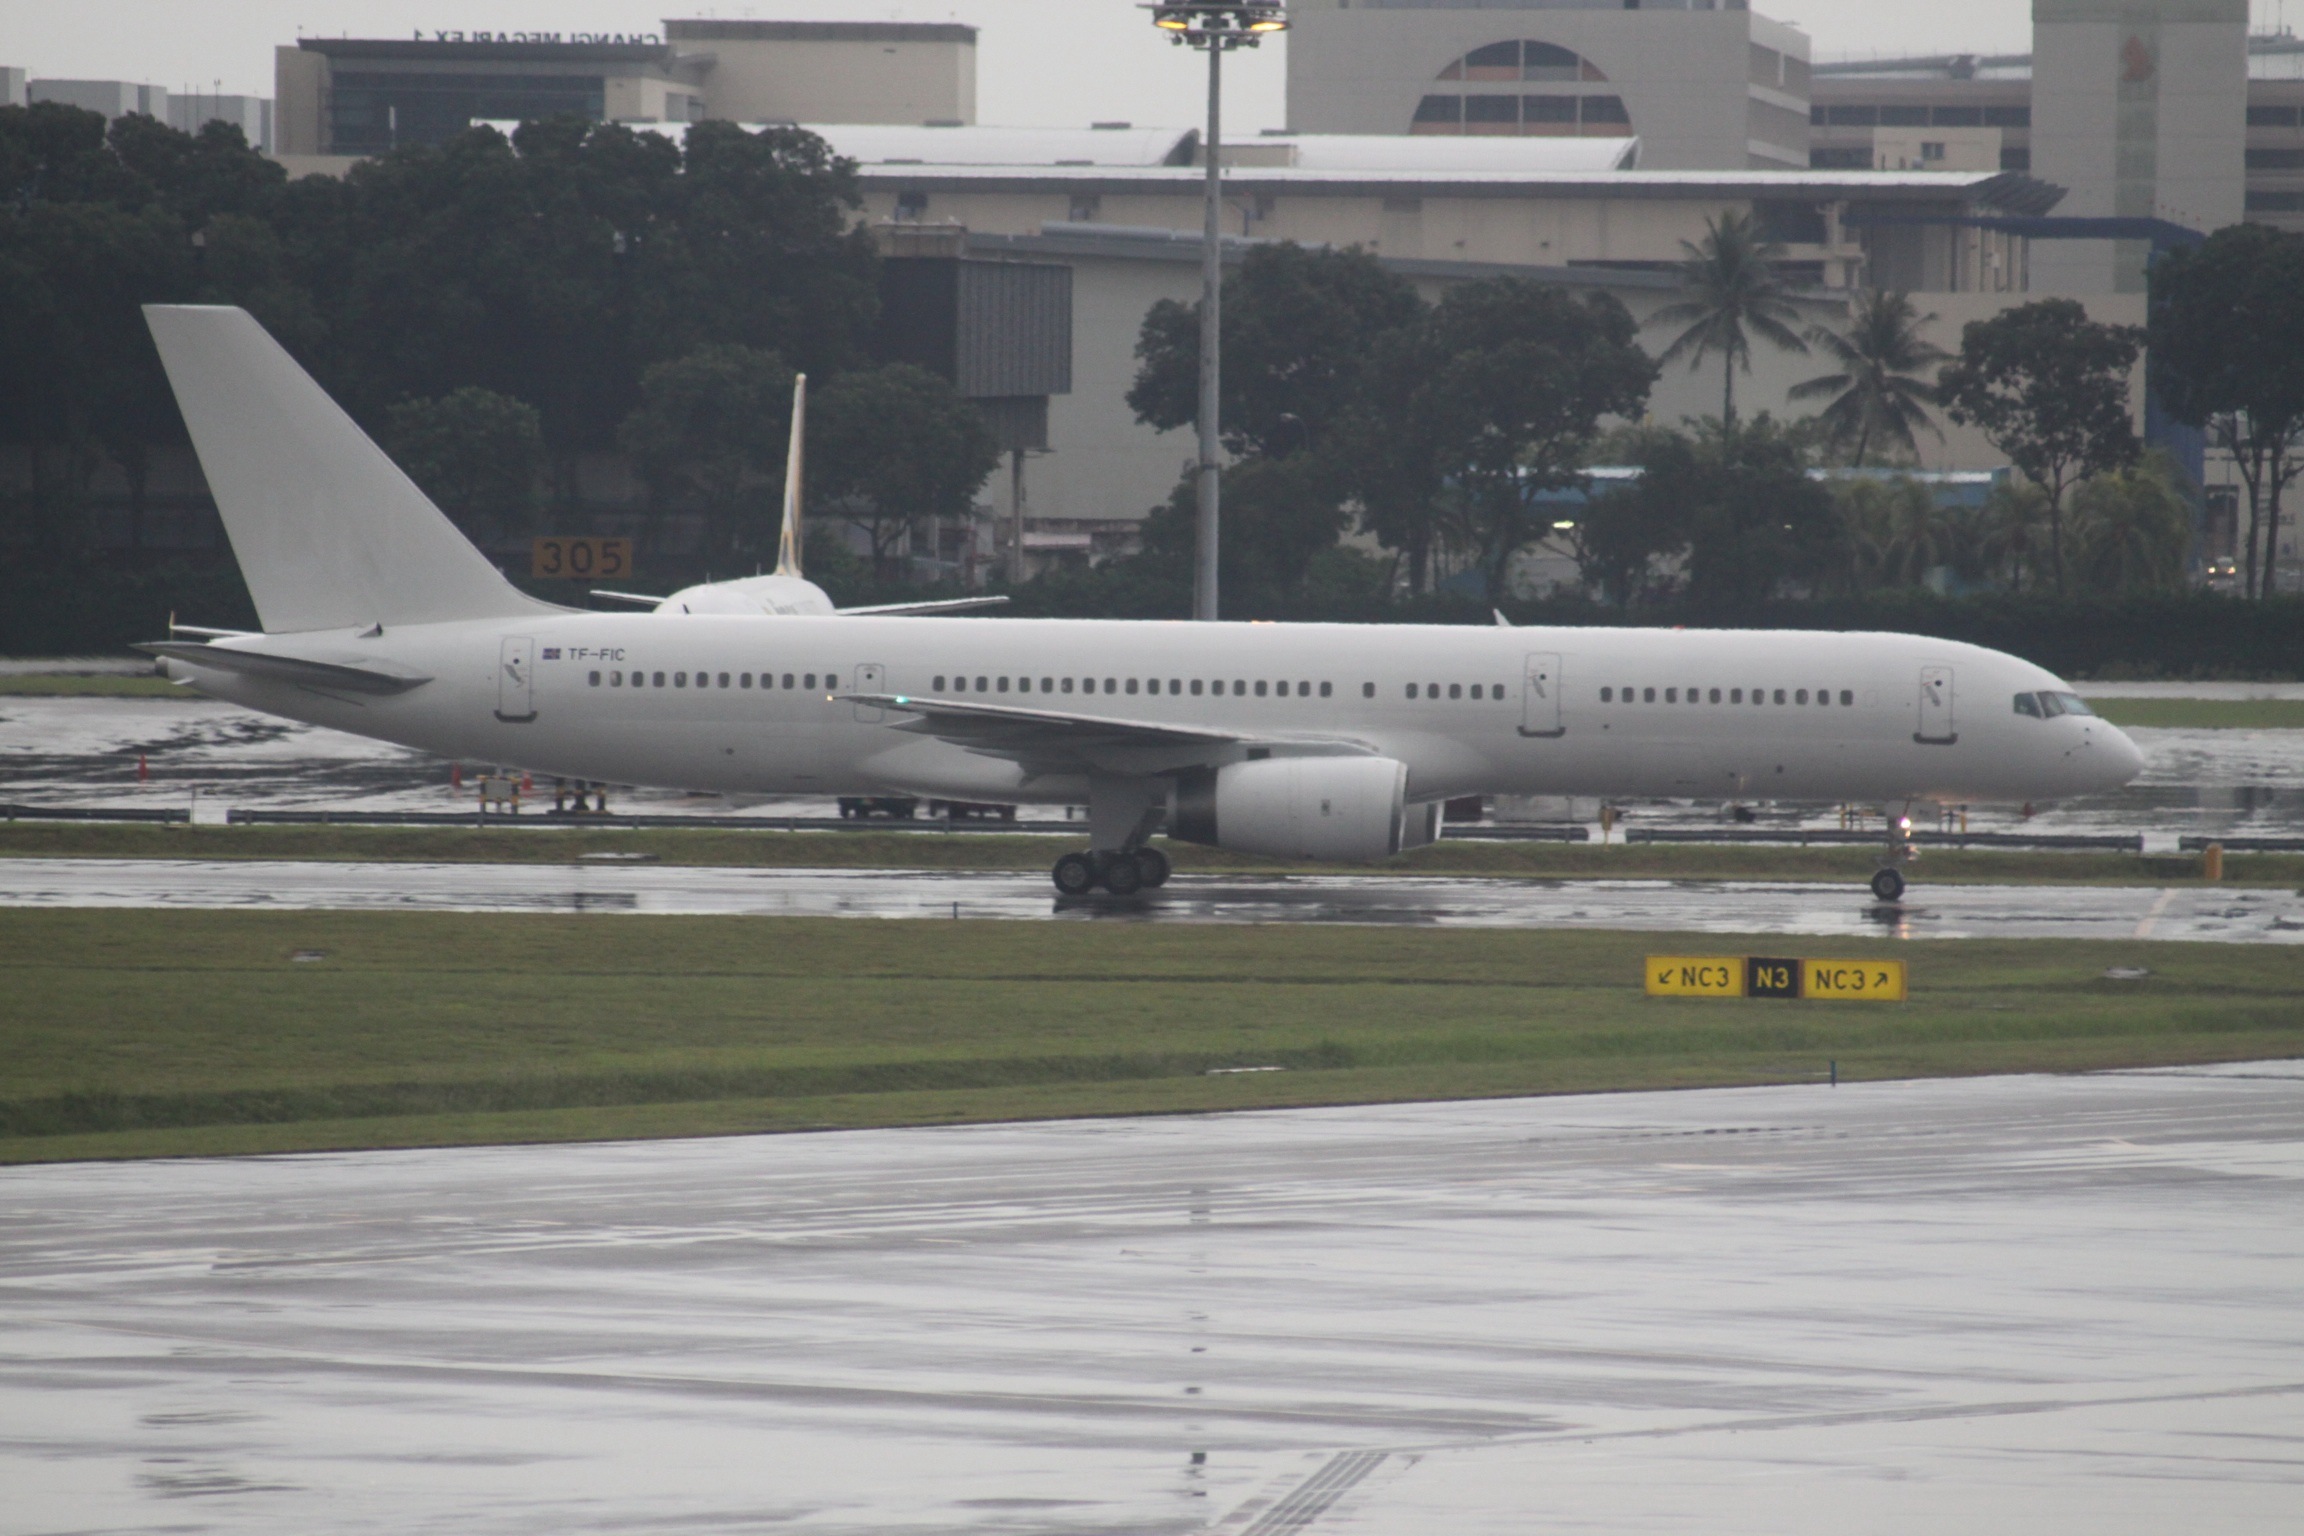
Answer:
(365, 677)
(328, 532)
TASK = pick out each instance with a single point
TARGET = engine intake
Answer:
(1346, 808)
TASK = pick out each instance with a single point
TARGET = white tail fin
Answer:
(790, 544)
(329, 533)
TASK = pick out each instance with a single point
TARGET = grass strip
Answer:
(92, 685)
(170, 1033)
(999, 851)
(2204, 714)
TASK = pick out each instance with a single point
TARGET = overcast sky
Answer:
(1038, 61)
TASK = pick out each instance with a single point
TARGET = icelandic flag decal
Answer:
(551, 653)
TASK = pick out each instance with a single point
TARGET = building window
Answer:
(2019, 159)
(2007, 117)
(1438, 112)
(1902, 116)
(1084, 207)
(1852, 117)
(1956, 117)
(1607, 111)
(911, 207)
(1520, 62)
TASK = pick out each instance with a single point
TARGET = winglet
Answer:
(1501, 621)
(789, 546)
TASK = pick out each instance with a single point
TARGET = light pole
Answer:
(1218, 27)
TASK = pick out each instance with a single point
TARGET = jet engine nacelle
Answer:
(1349, 808)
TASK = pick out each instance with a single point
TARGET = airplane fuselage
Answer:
(742, 705)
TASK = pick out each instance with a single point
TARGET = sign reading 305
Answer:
(581, 559)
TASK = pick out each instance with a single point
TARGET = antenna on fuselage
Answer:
(789, 545)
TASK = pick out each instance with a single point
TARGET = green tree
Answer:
(2131, 529)
(1523, 377)
(1892, 533)
(891, 446)
(2226, 336)
(2049, 387)
(709, 434)
(476, 453)
(2012, 535)
(1876, 394)
(1730, 291)
(1299, 325)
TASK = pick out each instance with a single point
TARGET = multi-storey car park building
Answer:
(343, 98)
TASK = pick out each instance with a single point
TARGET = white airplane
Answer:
(784, 592)
(1319, 741)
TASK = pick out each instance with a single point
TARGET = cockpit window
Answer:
(2064, 704)
(2026, 704)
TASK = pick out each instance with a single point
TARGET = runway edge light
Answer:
(1882, 981)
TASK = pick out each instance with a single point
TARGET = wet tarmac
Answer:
(2006, 1304)
(2242, 915)
(204, 756)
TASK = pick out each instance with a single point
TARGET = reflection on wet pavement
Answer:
(2233, 915)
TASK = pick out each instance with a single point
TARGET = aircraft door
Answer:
(871, 677)
(1937, 727)
(516, 680)
(1540, 696)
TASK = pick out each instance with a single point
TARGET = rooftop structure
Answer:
(1701, 87)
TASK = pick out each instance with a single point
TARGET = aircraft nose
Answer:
(2123, 760)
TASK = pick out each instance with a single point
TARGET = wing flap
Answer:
(1056, 741)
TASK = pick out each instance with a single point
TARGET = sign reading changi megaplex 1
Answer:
(1763, 976)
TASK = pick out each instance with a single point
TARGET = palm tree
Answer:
(1729, 284)
(1875, 392)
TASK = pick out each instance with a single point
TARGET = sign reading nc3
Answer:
(1763, 976)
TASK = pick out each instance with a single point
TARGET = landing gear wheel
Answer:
(1888, 885)
(1075, 875)
(1153, 868)
(1123, 876)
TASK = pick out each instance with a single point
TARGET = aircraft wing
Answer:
(1060, 741)
(936, 605)
(367, 676)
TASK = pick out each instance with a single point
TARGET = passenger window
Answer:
(939, 685)
(1847, 698)
(1262, 688)
(723, 679)
(1432, 690)
(615, 679)
(809, 681)
(1607, 695)
(831, 680)
(1714, 697)
(1455, 690)
(1131, 685)
(1067, 685)
(1111, 686)
(744, 679)
(1496, 690)
(1823, 696)
(1367, 690)
(1779, 695)
(1047, 685)
(1303, 690)
(2027, 705)
(659, 679)
(1475, 690)
(1196, 687)
(1327, 690)
(1239, 688)
(595, 679)
(679, 679)
(1671, 695)
(1411, 690)
(1801, 697)
(1735, 695)
(1002, 685)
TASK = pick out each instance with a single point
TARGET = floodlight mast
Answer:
(1218, 27)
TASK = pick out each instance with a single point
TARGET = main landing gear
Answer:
(1122, 873)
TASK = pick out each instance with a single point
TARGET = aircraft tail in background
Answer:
(329, 533)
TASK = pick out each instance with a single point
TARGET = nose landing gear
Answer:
(1888, 880)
